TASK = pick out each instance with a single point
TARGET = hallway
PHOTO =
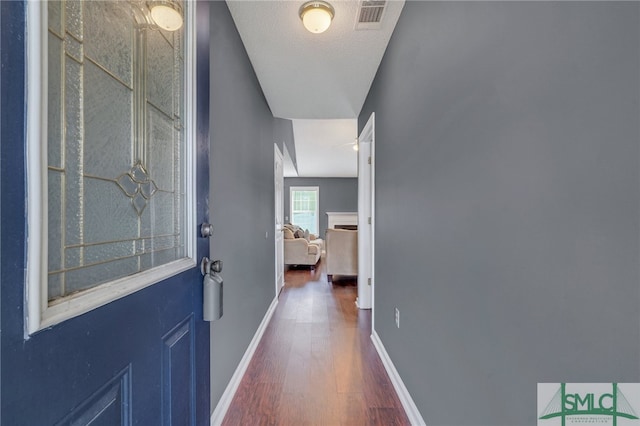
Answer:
(315, 364)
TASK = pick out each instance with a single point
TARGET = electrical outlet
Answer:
(397, 318)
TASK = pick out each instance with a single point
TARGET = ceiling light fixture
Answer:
(166, 14)
(316, 16)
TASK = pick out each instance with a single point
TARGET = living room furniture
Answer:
(301, 248)
(341, 252)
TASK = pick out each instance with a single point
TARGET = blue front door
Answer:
(142, 359)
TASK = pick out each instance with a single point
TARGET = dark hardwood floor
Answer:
(315, 364)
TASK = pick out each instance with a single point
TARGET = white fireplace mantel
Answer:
(342, 218)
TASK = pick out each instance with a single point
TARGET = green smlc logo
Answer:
(611, 404)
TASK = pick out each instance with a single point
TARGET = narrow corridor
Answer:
(316, 364)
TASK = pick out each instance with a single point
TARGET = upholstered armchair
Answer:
(301, 251)
(342, 252)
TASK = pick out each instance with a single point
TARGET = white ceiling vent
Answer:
(370, 14)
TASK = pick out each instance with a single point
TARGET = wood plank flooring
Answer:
(315, 364)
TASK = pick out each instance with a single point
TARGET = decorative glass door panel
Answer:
(116, 145)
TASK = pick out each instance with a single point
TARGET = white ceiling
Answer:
(323, 137)
(307, 76)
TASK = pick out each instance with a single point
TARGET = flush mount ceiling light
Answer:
(316, 16)
(166, 14)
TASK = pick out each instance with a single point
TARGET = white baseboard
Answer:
(403, 394)
(227, 396)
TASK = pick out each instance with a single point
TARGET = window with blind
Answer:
(304, 204)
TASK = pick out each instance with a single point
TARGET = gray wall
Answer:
(336, 195)
(243, 132)
(507, 194)
(283, 136)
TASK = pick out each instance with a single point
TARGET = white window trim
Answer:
(38, 314)
(305, 188)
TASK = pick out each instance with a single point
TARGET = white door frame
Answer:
(278, 182)
(366, 215)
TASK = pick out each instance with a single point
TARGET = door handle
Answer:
(206, 230)
(208, 266)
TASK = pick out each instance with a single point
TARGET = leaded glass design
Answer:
(115, 145)
(137, 185)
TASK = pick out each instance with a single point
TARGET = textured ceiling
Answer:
(313, 76)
